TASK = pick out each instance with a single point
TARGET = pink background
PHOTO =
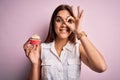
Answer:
(19, 19)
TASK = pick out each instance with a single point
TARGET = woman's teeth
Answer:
(63, 30)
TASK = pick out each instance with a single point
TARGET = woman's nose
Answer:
(64, 24)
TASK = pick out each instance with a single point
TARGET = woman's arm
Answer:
(33, 52)
(91, 56)
(35, 72)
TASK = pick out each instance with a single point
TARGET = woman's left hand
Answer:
(76, 25)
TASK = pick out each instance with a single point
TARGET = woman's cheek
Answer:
(72, 27)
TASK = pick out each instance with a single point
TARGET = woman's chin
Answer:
(63, 37)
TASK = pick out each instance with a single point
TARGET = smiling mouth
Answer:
(65, 30)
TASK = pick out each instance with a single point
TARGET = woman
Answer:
(60, 56)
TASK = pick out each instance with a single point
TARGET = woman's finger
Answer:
(27, 48)
(70, 23)
(34, 47)
(37, 47)
(81, 17)
(80, 12)
(27, 52)
(73, 12)
(78, 9)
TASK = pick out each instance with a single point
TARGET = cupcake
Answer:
(35, 40)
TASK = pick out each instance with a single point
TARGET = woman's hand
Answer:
(75, 22)
(32, 52)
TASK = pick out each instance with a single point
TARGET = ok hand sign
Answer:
(77, 20)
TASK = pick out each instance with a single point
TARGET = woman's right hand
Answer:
(32, 52)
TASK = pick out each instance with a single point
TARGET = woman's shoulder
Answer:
(46, 45)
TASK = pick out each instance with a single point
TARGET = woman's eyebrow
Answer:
(62, 18)
(59, 17)
(68, 17)
(71, 17)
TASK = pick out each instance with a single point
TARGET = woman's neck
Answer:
(59, 44)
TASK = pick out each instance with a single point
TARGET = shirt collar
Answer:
(69, 46)
(53, 49)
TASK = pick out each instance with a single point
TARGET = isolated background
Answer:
(19, 19)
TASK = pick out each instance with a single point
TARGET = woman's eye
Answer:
(58, 20)
(70, 21)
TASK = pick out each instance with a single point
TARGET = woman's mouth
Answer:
(64, 30)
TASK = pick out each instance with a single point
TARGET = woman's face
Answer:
(63, 21)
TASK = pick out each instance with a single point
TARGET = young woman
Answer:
(60, 56)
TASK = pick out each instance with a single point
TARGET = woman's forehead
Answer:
(63, 14)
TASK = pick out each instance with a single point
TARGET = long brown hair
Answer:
(51, 34)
